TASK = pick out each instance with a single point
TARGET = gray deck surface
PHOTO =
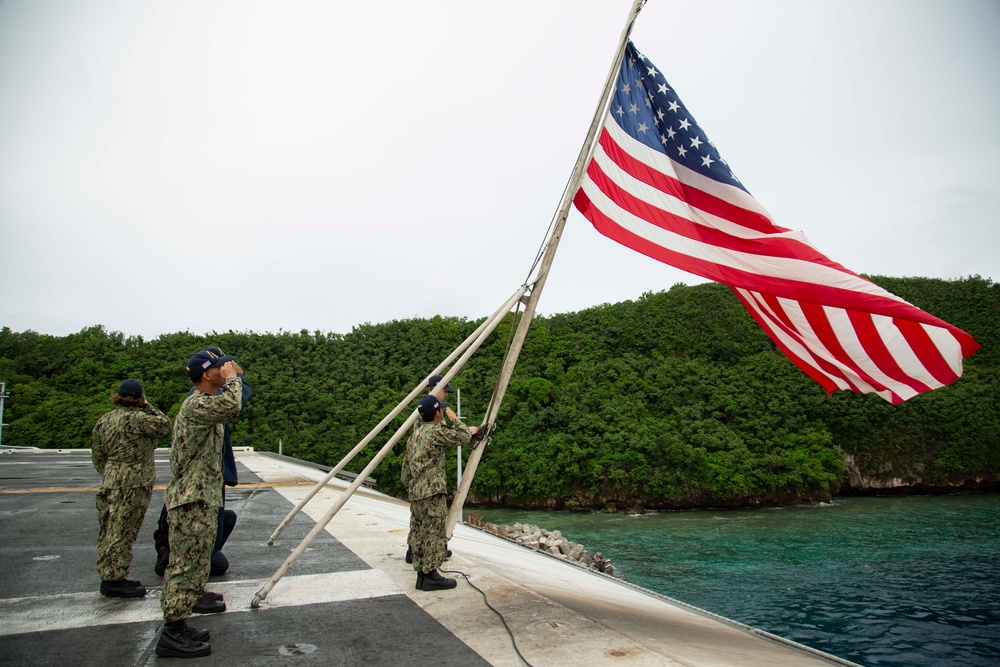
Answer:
(349, 600)
(48, 540)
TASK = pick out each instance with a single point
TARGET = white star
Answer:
(663, 88)
(670, 132)
(651, 71)
(685, 124)
(620, 112)
(631, 62)
(707, 161)
(634, 108)
(649, 103)
(642, 57)
(626, 89)
(696, 142)
(660, 114)
(682, 151)
(674, 106)
(643, 127)
(663, 140)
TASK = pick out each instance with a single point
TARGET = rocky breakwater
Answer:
(550, 542)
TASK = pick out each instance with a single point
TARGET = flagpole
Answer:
(550, 250)
(484, 332)
(487, 323)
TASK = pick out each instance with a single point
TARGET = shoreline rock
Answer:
(550, 542)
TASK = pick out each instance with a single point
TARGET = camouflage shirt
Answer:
(197, 443)
(423, 466)
(122, 444)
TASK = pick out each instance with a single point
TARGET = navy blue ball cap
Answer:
(130, 389)
(204, 360)
(435, 379)
(428, 405)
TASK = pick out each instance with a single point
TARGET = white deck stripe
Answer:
(78, 610)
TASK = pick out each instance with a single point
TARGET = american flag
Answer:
(658, 185)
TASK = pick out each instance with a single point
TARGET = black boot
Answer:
(197, 634)
(177, 641)
(433, 581)
(209, 603)
(123, 588)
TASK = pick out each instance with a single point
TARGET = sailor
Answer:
(122, 445)
(193, 499)
(423, 470)
(230, 477)
(432, 384)
(227, 517)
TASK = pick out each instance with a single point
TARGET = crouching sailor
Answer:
(423, 473)
(193, 499)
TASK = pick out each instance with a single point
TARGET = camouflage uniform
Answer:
(423, 473)
(194, 495)
(122, 445)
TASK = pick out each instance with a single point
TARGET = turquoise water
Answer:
(880, 581)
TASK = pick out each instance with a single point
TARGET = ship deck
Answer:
(349, 599)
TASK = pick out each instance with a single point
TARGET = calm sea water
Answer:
(880, 581)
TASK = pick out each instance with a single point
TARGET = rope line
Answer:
(494, 610)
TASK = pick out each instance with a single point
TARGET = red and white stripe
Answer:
(842, 330)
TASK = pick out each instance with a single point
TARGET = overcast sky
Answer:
(171, 165)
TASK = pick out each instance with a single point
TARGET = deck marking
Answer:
(78, 610)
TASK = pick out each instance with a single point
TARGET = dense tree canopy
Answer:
(676, 399)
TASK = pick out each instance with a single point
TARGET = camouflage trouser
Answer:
(192, 536)
(428, 540)
(120, 513)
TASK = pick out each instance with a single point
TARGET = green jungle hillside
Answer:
(676, 399)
